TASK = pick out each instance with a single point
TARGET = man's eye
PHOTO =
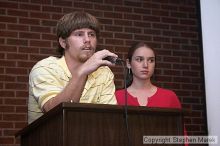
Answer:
(92, 34)
(78, 34)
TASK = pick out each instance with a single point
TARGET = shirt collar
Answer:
(62, 63)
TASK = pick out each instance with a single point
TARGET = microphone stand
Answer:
(126, 105)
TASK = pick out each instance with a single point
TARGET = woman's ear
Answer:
(128, 64)
(62, 42)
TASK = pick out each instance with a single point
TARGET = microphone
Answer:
(114, 60)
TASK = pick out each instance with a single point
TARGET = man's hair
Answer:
(72, 21)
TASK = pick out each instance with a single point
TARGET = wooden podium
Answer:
(71, 124)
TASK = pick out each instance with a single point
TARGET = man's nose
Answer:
(86, 38)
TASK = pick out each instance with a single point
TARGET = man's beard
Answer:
(86, 54)
(83, 57)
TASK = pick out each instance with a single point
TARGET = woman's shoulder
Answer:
(166, 91)
(170, 97)
(119, 91)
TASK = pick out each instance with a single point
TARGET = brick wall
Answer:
(172, 26)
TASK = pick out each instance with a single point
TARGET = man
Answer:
(79, 75)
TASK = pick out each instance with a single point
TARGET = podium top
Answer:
(98, 108)
(113, 108)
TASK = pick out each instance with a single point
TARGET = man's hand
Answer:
(95, 61)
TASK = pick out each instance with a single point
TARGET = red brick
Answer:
(113, 15)
(29, 21)
(15, 71)
(123, 36)
(26, 64)
(7, 109)
(106, 21)
(14, 117)
(160, 13)
(142, 24)
(171, 59)
(28, 50)
(40, 43)
(7, 63)
(7, 140)
(6, 124)
(49, 23)
(114, 41)
(23, 94)
(151, 18)
(17, 42)
(187, 22)
(40, 29)
(83, 5)
(7, 93)
(143, 37)
(8, 5)
(20, 125)
(113, 28)
(161, 39)
(22, 79)
(152, 31)
(5, 48)
(8, 34)
(2, 26)
(18, 13)
(15, 56)
(16, 86)
(31, 7)
(132, 16)
(106, 35)
(169, 7)
(29, 35)
(39, 15)
(48, 51)
(51, 37)
(160, 26)
(51, 9)
(123, 22)
(18, 27)
(132, 30)
(121, 9)
(113, 2)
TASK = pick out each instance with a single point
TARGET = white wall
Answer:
(210, 19)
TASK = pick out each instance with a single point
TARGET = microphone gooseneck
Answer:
(126, 104)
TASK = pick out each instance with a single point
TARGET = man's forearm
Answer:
(72, 91)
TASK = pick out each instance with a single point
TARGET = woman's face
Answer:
(142, 63)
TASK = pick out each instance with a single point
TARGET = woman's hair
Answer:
(72, 21)
(132, 49)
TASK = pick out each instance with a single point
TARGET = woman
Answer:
(141, 91)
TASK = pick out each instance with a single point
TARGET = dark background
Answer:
(27, 34)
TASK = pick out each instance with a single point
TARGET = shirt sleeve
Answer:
(43, 84)
(175, 103)
(120, 97)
